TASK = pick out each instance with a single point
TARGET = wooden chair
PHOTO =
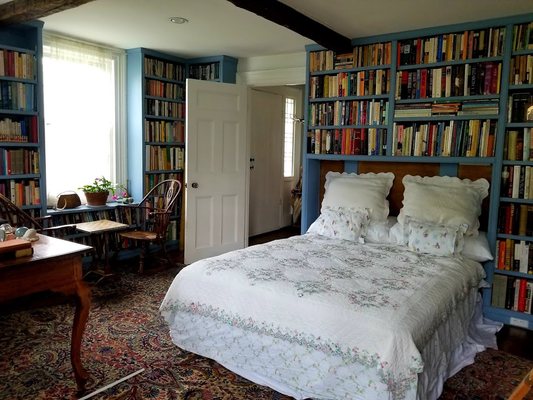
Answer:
(153, 213)
(16, 216)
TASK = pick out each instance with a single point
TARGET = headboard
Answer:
(400, 169)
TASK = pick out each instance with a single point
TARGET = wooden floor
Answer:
(517, 341)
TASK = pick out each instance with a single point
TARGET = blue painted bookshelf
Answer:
(156, 117)
(22, 166)
(447, 95)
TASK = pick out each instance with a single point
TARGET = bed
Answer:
(340, 312)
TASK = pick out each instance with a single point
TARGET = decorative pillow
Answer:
(444, 200)
(477, 248)
(359, 191)
(439, 240)
(341, 223)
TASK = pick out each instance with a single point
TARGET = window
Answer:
(82, 93)
(288, 148)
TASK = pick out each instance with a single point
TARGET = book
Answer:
(15, 248)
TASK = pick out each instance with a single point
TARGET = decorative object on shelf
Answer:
(66, 200)
(98, 191)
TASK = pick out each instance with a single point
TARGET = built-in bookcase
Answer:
(21, 116)
(156, 117)
(456, 96)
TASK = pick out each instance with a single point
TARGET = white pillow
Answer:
(444, 200)
(359, 191)
(341, 223)
(438, 240)
(477, 248)
(379, 232)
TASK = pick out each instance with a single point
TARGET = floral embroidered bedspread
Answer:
(371, 304)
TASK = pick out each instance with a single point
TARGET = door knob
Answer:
(195, 185)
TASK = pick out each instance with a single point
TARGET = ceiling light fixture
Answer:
(178, 20)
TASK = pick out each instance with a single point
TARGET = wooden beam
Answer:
(292, 19)
(18, 11)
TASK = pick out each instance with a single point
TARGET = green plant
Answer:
(102, 185)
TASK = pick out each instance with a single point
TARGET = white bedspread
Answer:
(348, 310)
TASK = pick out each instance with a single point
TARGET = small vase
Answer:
(97, 198)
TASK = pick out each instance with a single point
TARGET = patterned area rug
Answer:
(125, 333)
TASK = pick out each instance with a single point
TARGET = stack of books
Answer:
(15, 248)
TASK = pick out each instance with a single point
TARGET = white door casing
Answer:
(215, 169)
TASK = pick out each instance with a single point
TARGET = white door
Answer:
(215, 170)
(266, 160)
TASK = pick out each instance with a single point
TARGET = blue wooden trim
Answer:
(515, 237)
(446, 99)
(348, 70)
(522, 86)
(516, 274)
(509, 162)
(329, 127)
(19, 144)
(512, 200)
(448, 169)
(434, 118)
(446, 63)
(348, 98)
(520, 125)
(351, 166)
(407, 159)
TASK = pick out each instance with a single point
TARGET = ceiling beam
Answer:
(290, 18)
(18, 11)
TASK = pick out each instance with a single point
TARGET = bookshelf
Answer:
(447, 96)
(156, 118)
(216, 68)
(21, 116)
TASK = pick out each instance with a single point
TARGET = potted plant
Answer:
(98, 191)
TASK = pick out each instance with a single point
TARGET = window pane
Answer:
(288, 153)
(79, 108)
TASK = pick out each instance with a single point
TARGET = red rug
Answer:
(125, 333)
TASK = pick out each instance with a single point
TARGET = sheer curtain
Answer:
(83, 118)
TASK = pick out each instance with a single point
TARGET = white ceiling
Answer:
(219, 27)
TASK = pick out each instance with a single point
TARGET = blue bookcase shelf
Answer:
(480, 51)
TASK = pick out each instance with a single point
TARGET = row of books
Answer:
(453, 46)
(521, 70)
(371, 112)
(17, 64)
(161, 108)
(519, 107)
(517, 182)
(25, 130)
(15, 161)
(452, 80)
(518, 145)
(206, 72)
(446, 108)
(361, 83)
(512, 293)
(17, 96)
(515, 219)
(164, 69)
(361, 56)
(523, 36)
(349, 141)
(150, 180)
(470, 138)
(164, 131)
(165, 89)
(24, 192)
(164, 158)
(514, 255)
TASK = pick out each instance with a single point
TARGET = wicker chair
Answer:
(153, 214)
(16, 216)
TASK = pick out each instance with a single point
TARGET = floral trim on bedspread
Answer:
(397, 385)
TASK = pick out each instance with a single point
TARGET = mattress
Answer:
(314, 317)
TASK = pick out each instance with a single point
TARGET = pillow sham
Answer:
(477, 248)
(359, 191)
(438, 240)
(341, 223)
(444, 200)
(379, 232)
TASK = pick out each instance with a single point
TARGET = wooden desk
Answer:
(55, 266)
(100, 230)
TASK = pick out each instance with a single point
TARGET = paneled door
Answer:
(216, 169)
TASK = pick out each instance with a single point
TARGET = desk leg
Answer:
(83, 303)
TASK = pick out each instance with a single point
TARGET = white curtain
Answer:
(82, 114)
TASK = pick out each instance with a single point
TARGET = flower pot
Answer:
(97, 198)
